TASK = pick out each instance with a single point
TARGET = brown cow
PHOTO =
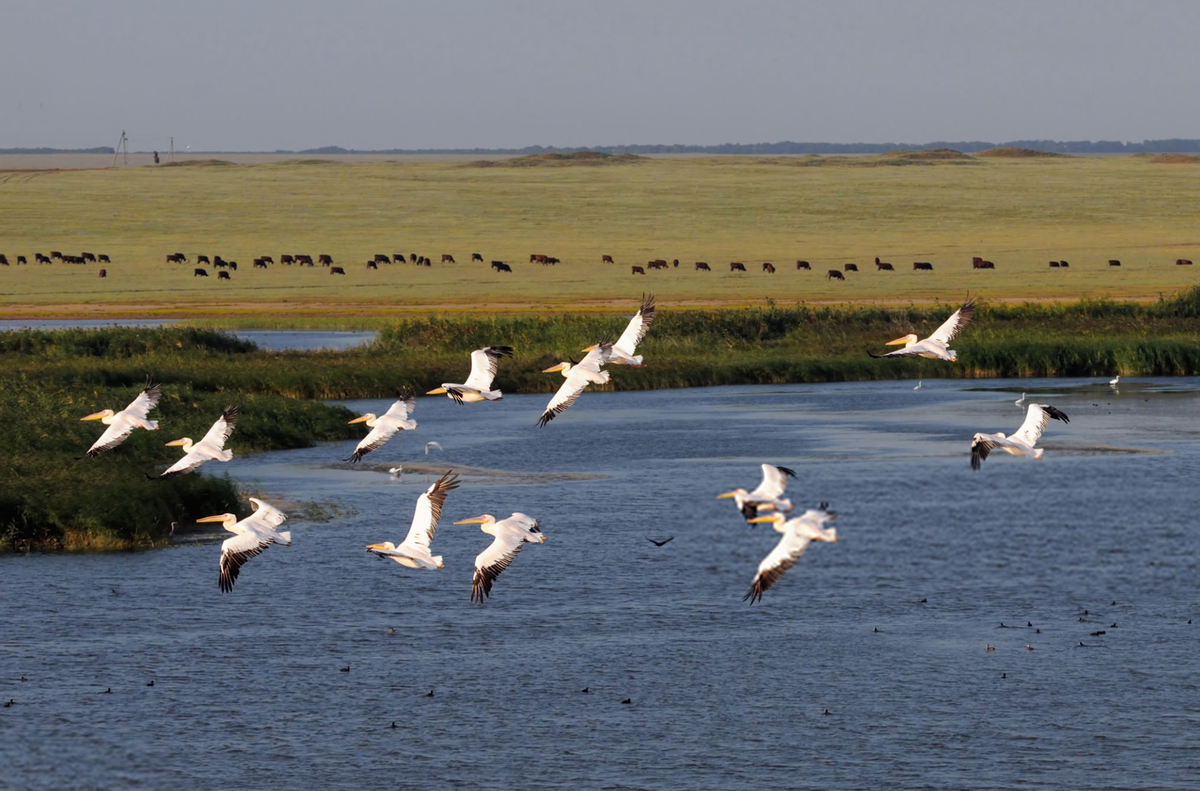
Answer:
(103, 273)
(851, 267)
(286, 259)
(675, 263)
(769, 268)
(380, 258)
(259, 264)
(337, 270)
(58, 255)
(922, 266)
(88, 257)
(268, 259)
(637, 270)
(373, 265)
(1178, 261)
(447, 257)
(835, 275)
(1064, 264)
(537, 258)
(737, 266)
(102, 258)
(702, 266)
(223, 276)
(476, 257)
(606, 259)
(882, 266)
(1054, 265)
(199, 273)
(325, 259)
(659, 264)
(803, 265)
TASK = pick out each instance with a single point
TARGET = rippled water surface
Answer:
(248, 691)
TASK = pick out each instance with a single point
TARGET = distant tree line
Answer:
(96, 150)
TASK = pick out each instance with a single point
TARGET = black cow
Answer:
(922, 266)
(173, 258)
(769, 268)
(23, 260)
(373, 265)
(232, 265)
(476, 257)
(851, 267)
(835, 275)
(199, 273)
(1178, 261)
(202, 259)
(259, 264)
(103, 273)
(336, 270)
(286, 259)
(266, 259)
(500, 266)
(1065, 265)
(58, 255)
(606, 259)
(324, 259)
(88, 257)
(702, 266)
(41, 259)
(637, 270)
(3, 259)
(735, 266)
(882, 266)
(400, 258)
(1054, 265)
(380, 258)
(223, 276)
(803, 265)
(103, 259)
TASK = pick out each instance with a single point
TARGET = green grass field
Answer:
(1018, 212)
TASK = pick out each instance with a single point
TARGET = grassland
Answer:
(1017, 211)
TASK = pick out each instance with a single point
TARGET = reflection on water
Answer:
(268, 340)
(248, 691)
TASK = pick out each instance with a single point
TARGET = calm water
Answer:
(248, 693)
(269, 340)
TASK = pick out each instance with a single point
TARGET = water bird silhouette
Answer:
(660, 543)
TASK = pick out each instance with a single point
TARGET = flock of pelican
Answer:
(766, 504)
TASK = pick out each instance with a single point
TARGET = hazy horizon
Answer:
(375, 75)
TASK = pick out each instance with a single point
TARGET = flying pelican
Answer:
(414, 552)
(212, 447)
(435, 445)
(510, 535)
(578, 375)
(1019, 444)
(478, 386)
(1020, 400)
(768, 495)
(121, 424)
(1111, 382)
(934, 347)
(251, 536)
(384, 426)
(797, 534)
(623, 350)
(918, 387)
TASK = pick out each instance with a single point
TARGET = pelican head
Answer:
(227, 520)
(563, 366)
(101, 415)
(185, 443)
(368, 418)
(485, 521)
(734, 493)
(437, 391)
(907, 340)
(384, 545)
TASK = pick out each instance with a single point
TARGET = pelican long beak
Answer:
(762, 519)
(371, 547)
(93, 416)
(897, 342)
(217, 518)
(475, 520)
(726, 496)
(179, 442)
(363, 418)
(553, 368)
(437, 391)
(591, 348)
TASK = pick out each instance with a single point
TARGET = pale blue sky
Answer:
(268, 74)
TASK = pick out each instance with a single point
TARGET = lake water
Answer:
(248, 692)
(269, 340)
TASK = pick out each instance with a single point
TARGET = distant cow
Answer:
(173, 258)
(1178, 261)
(659, 264)
(736, 266)
(500, 266)
(286, 259)
(327, 260)
(538, 258)
(3, 260)
(373, 265)
(412, 258)
(401, 258)
(803, 265)
(218, 261)
(1054, 265)
(232, 265)
(1114, 262)
(637, 270)
(882, 266)
(102, 258)
(337, 270)
(675, 263)
(476, 257)
(307, 260)
(88, 257)
(103, 273)
(423, 261)
(41, 259)
(22, 260)
(380, 258)
(835, 275)
(199, 273)
(58, 255)
(769, 268)
(851, 267)
(922, 266)
(223, 276)
(551, 260)
(266, 259)
(259, 264)
(606, 259)
(202, 259)
(702, 266)
(180, 258)
(981, 264)
(1064, 264)
(447, 257)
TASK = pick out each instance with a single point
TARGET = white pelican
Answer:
(1020, 400)
(918, 387)
(1114, 381)
(797, 534)
(1019, 444)
(623, 350)
(478, 386)
(121, 424)
(396, 472)
(211, 447)
(384, 426)
(578, 375)
(768, 495)
(934, 347)
(510, 535)
(414, 552)
(251, 536)
(435, 446)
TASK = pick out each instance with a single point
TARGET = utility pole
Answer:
(171, 155)
(122, 145)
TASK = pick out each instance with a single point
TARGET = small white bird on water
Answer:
(918, 387)
(414, 551)
(1023, 441)
(935, 347)
(623, 350)
(510, 535)
(396, 472)
(478, 386)
(121, 424)
(210, 448)
(1113, 382)
(252, 535)
(384, 426)
(798, 533)
(1020, 400)
(768, 495)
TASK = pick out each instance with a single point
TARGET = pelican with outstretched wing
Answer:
(478, 386)
(121, 424)
(210, 448)
(384, 426)
(578, 375)
(935, 347)
(252, 535)
(414, 551)
(509, 536)
(798, 533)
(623, 350)
(1021, 443)
(768, 495)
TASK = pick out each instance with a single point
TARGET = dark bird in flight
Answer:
(660, 543)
